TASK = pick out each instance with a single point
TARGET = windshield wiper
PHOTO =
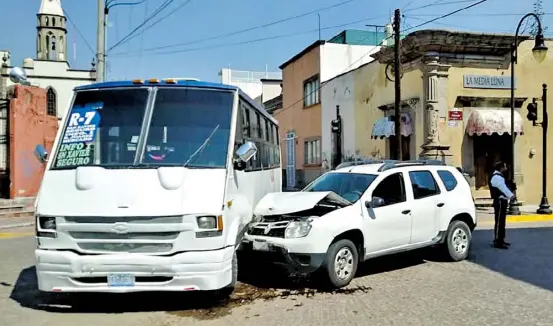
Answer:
(202, 147)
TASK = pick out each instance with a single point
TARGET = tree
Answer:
(538, 10)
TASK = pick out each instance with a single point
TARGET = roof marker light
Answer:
(138, 81)
(153, 81)
(170, 81)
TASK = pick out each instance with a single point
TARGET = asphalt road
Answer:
(494, 287)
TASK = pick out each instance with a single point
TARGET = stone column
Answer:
(434, 104)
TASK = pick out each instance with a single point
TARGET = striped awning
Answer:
(385, 127)
(493, 121)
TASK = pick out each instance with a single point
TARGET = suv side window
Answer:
(448, 179)
(424, 184)
(391, 189)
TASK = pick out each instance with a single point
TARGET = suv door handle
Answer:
(440, 205)
(407, 211)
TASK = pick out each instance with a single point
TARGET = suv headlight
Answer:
(297, 229)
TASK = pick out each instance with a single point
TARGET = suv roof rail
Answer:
(360, 162)
(397, 164)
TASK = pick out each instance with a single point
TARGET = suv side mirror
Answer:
(246, 151)
(41, 153)
(374, 202)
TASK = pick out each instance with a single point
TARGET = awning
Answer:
(488, 122)
(385, 127)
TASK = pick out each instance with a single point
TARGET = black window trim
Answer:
(439, 190)
(259, 137)
(403, 186)
(443, 182)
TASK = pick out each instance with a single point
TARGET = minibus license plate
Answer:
(120, 280)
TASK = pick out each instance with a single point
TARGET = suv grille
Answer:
(275, 230)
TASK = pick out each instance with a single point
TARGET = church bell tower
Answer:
(51, 32)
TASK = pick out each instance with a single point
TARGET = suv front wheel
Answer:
(341, 263)
(457, 242)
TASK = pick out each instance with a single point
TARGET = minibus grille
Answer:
(105, 237)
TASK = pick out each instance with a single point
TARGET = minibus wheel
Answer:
(226, 292)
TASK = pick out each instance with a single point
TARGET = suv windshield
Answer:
(188, 126)
(349, 186)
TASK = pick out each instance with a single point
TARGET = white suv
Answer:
(355, 213)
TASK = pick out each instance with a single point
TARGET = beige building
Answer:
(456, 105)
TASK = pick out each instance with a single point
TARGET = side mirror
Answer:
(239, 165)
(41, 153)
(374, 202)
(246, 151)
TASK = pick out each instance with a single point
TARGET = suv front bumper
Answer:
(302, 262)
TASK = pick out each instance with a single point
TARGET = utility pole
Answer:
(397, 82)
(336, 128)
(101, 44)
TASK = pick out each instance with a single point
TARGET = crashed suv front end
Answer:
(290, 231)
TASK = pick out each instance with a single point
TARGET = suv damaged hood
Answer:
(279, 203)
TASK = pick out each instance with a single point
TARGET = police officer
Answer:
(501, 196)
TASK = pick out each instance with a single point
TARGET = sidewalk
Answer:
(16, 222)
(527, 214)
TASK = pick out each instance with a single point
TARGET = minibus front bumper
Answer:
(66, 271)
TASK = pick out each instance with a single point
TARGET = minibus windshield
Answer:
(187, 126)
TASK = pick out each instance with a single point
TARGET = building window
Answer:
(312, 151)
(311, 91)
(51, 102)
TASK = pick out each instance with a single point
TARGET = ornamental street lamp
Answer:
(539, 52)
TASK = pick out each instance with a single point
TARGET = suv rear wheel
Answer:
(457, 242)
(341, 263)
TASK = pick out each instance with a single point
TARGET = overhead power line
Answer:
(438, 3)
(382, 42)
(157, 22)
(247, 29)
(449, 14)
(482, 15)
(248, 41)
(152, 16)
(76, 29)
(457, 26)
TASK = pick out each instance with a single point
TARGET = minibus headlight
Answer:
(45, 227)
(47, 222)
(207, 222)
(212, 223)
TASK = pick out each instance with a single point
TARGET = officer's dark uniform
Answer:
(500, 210)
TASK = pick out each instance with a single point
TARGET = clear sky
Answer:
(199, 20)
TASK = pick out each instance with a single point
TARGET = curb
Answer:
(15, 226)
(525, 218)
(514, 219)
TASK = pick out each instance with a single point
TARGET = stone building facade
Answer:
(455, 105)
